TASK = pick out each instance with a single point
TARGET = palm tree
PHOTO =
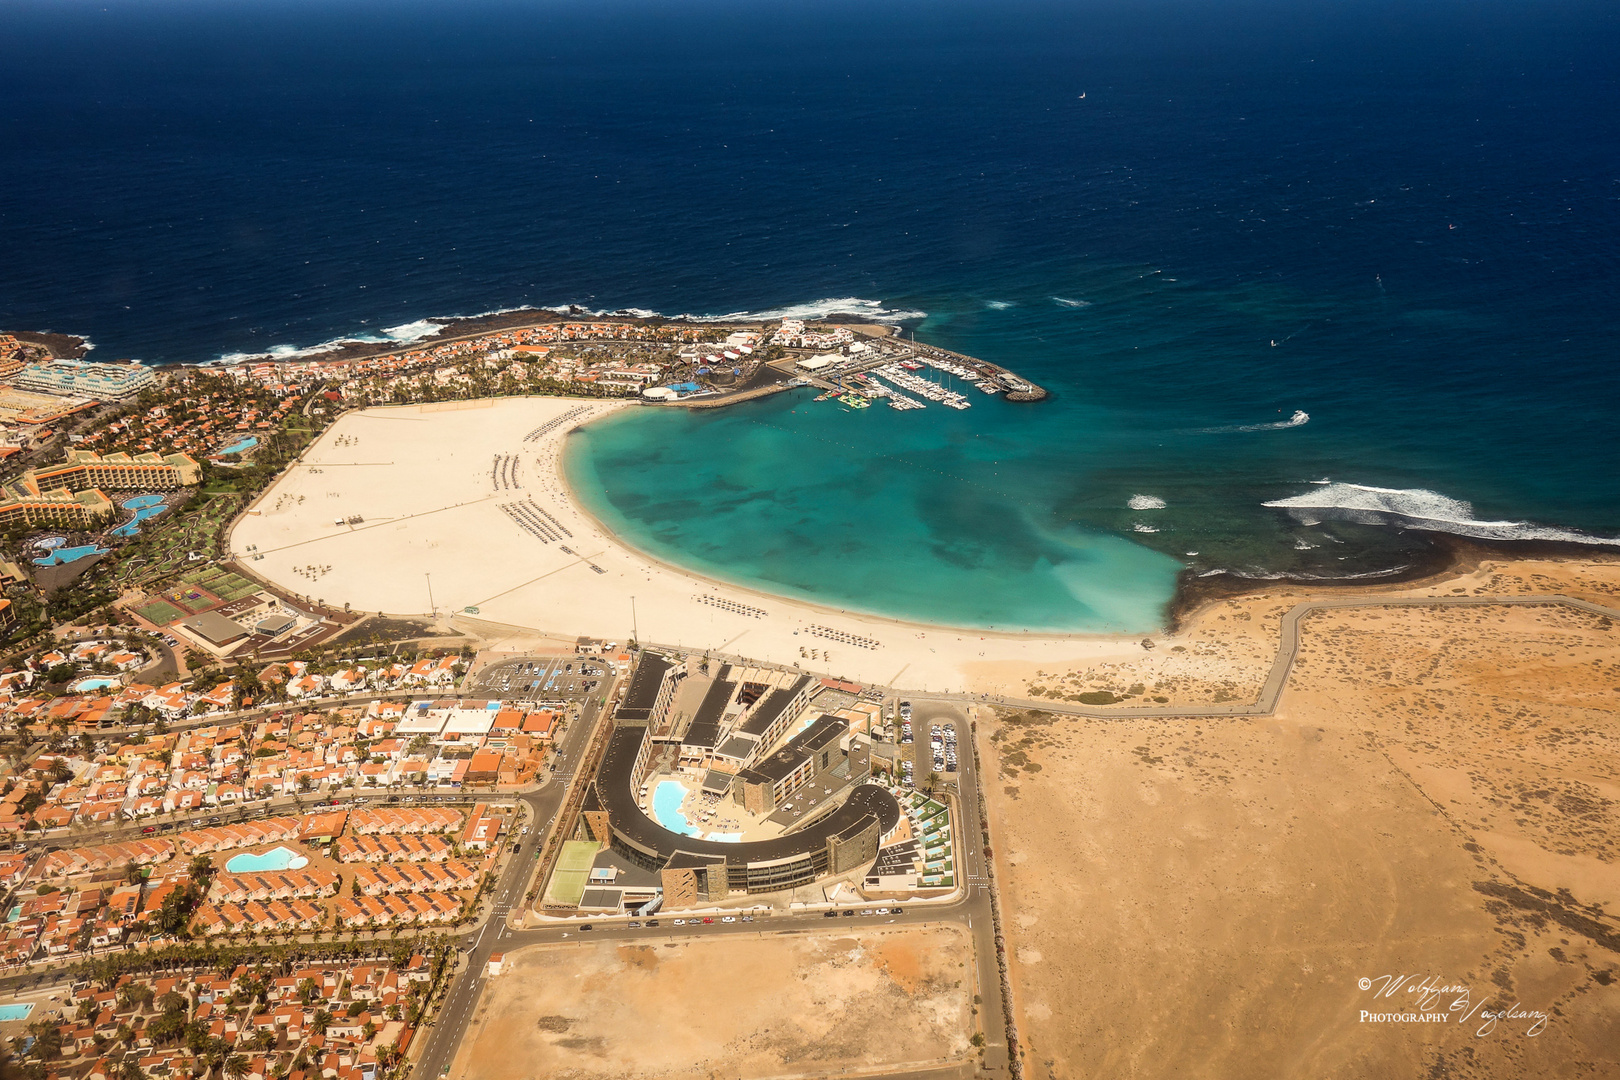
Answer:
(236, 1066)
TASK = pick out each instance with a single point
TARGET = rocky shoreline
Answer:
(1446, 557)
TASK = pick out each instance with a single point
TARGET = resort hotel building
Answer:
(70, 495)
(85, 378)
(841, 835)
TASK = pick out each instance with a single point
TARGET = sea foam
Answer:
(1419, 508)
(1145, 502)
(1064, 301)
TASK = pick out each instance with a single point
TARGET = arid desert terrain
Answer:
(1436, 798)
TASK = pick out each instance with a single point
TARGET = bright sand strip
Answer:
(420, 478)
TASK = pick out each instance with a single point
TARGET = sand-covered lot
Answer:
(739, 1006)
(1438, 796)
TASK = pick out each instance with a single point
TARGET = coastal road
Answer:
(1270, 691)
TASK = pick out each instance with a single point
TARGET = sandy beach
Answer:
(441, 493)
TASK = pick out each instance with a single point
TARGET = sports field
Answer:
(572, 872)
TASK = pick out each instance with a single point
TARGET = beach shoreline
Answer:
(763, 594)
(413, 510)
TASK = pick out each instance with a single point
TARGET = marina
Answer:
(905, 375)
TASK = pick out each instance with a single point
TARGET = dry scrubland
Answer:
(1437, 795)
(1225, 649)
(735, 1006)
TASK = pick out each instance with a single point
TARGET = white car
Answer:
(680, 922)
(728, 918)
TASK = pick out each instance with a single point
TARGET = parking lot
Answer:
(543, 678)
(930, 735)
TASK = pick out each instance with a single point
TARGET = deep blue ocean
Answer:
(1194, 222)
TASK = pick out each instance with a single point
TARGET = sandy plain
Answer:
(1438, 795)
(812, 1004)
(434, 536)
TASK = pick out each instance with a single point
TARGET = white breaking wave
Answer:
(998, 305)
(1299, 419)
(819, 309)
(1143, 527)
(412, 332)
(1418, 508)
(1145, 502)
(1064, 301)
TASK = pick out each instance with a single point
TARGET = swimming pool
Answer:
(275, 859)
(63, 555)
(97, 683)
(16, 1012)
(667, 798)
(145, 506)
(50, 542)
(237, 447)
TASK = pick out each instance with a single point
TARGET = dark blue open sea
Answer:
(1358, 258)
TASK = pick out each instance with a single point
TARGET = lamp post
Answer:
(433, 609)
(634, 629)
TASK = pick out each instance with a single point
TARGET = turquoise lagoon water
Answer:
(145, 506)
(275, 859)
(667, 798)
(935, 515)
(62, 555)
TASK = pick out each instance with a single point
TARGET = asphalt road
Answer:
(450, 1021)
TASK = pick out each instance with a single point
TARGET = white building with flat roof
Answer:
(85, 378)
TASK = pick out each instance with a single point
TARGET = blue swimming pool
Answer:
(62, 555)
(240, 445)
(275, 859)
(97, 683)
(667, 798)
(16, 1012)
(145, 506)
(50, 542)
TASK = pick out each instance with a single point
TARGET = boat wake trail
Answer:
(1416, 508)
(1299, 419)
